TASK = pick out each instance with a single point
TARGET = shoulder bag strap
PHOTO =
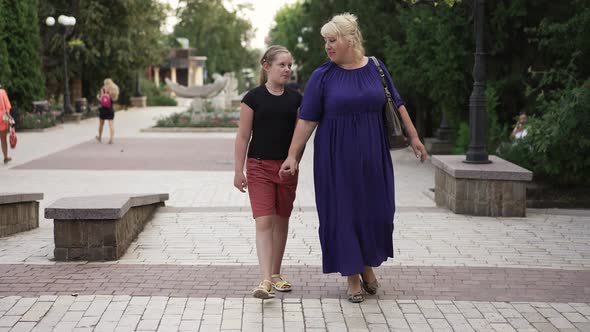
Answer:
(382, 74)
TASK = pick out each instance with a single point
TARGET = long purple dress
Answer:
(353, 172)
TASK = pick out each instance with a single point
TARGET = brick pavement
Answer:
(193, 266)
(397, 282)
(160, 313)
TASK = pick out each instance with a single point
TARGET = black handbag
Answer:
(394, 127)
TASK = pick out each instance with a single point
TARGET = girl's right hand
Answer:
(289, 167)
(240, 182)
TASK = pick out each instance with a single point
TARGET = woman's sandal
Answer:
(356, 297)
(262, 292)
(7, 160)
(370, 287)
(283, 285)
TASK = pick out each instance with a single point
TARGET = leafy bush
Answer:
(161, 101)
(557, 146)
(183, 120)
(156, 96)
(36, 120)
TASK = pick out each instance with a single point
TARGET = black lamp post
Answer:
(66, 22)
(478, 122)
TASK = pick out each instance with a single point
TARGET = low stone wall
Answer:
(99, 240)
(480, 197)
(497, 189)
(18, 213)
(18, 217)
(104, 229)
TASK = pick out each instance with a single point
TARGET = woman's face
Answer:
(337, 49)
(279, 71)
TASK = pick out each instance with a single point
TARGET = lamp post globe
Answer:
(65, 22)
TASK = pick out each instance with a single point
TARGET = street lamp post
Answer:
(477, 153)
(65, 22)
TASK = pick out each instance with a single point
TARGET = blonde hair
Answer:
(112, 88)
(345, 26)
(269, 56)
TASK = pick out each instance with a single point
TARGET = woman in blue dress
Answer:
(353, 173)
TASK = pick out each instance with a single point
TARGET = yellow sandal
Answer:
(263, 292)
(283, 285)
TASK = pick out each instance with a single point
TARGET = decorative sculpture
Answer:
(200, 94)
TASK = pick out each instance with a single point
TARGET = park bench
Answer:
(42, 106)
(19, 212)
(99, 228)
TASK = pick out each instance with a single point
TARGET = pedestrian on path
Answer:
(268, 114)
(109, 93)
(353, 173)
(4, 126)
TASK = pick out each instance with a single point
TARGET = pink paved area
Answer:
(147, 154)
(407, 282)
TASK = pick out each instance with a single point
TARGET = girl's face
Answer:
(279, 71)
(337, 49)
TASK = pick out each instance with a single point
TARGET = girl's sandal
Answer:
(370, 287)
(283, 285)
(263, 292)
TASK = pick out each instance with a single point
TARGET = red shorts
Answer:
(269, 194)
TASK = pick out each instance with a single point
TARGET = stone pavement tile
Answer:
(439, 324)
(561, 322)
(502, 327)
(189, 325)
(519, 323)
(36, 312)
(90, 321)
(545, 327)
(252, 327)
(148, 325)
(421, 327)
(8, 321)
(23, 327)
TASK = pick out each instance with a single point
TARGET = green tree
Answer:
(20, 39)
(111, 38)
(220, 34)
(4, 66)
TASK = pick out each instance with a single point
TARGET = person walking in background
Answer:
(4, 125)
(353, 172)
(268, 114)
(109, 93)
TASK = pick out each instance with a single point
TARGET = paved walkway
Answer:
(192, 267)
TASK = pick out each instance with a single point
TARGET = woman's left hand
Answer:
(419, 149)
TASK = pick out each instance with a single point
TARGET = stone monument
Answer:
(200, 94)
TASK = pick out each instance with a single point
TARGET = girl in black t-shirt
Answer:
(267, 120)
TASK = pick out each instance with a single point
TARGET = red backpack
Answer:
(105, 99)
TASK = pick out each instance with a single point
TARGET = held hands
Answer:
(419, 149)
(289, 167)
(240, 182)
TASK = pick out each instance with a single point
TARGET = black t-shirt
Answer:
(274, 122)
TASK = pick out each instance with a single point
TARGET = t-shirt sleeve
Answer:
(312, 103)
(397, 99)
(250, 99)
